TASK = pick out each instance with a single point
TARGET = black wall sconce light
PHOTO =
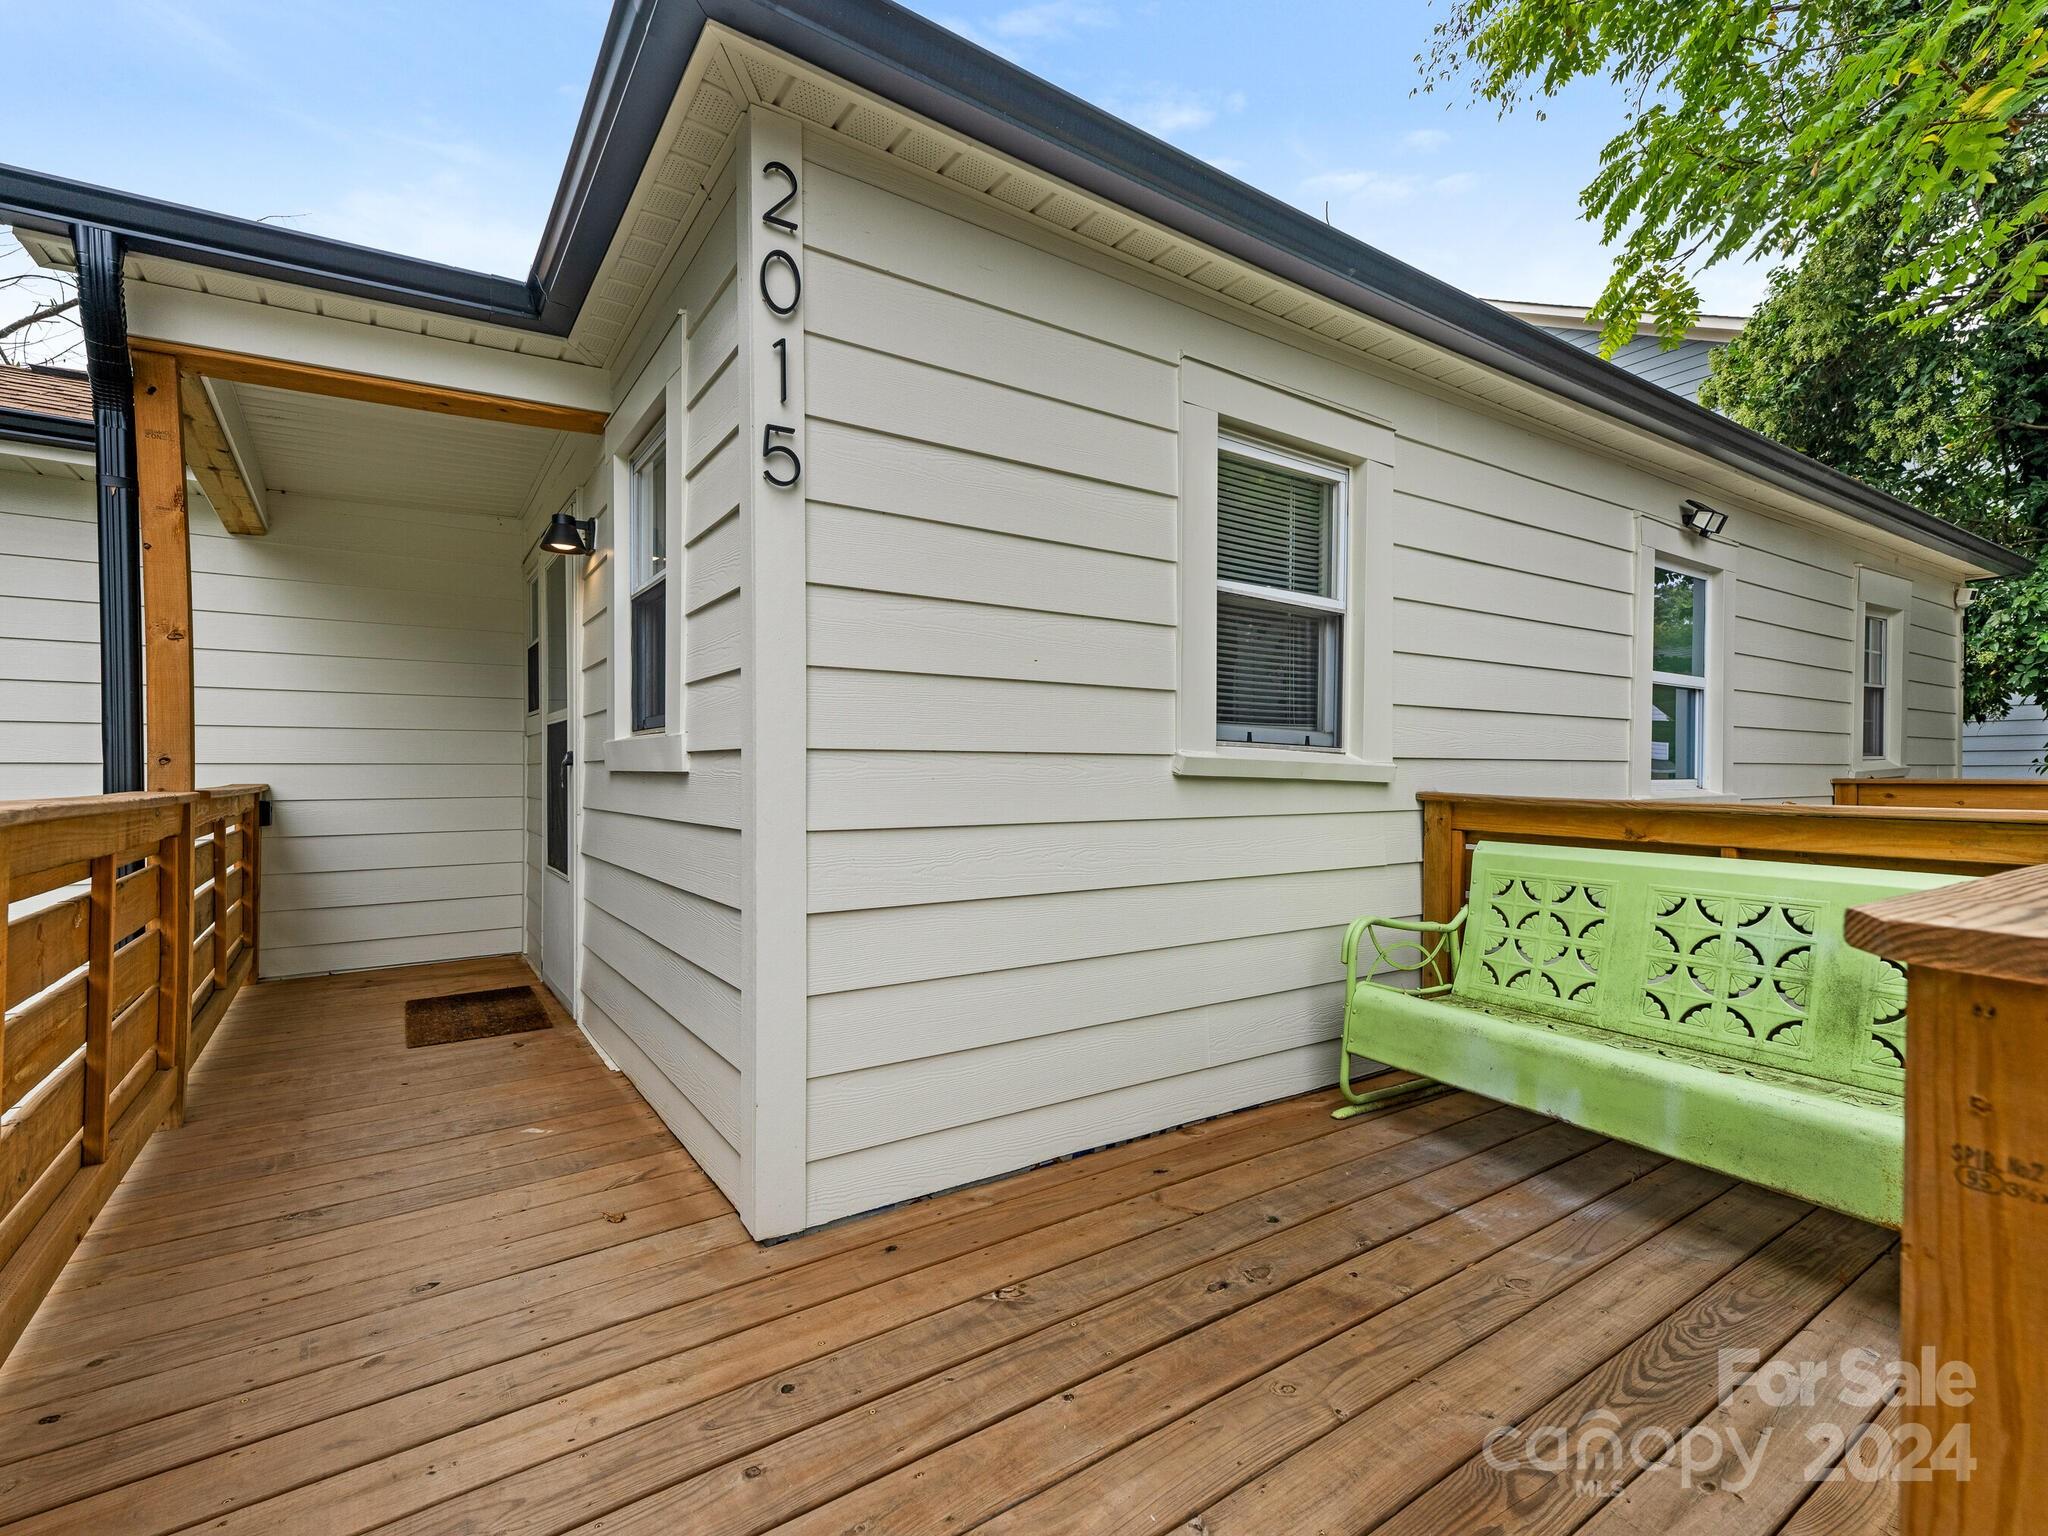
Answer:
(1702, 519)
(567, 535)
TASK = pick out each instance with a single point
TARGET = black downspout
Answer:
(105, 317)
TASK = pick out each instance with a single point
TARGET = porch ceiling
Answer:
(350, 450)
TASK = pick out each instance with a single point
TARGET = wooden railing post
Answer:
(99, 1007)
(1973, 1330)
(1442, 868)
(174, 961)
(6, 885)
(252, 882)
(220, 904)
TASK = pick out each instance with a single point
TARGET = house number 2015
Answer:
(782, 289)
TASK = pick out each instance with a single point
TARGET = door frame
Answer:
(570, 989)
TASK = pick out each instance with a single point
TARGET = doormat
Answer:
(473, 1016)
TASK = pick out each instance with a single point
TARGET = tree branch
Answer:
(38, 316)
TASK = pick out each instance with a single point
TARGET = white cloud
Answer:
(1423, 140)
(1457, 181)
(1010, 32)
(442, 216)
(1368, 186)
(1051, 20)
(1168, 110)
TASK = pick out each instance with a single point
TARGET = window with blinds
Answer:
(1280, 601)
(647, 582)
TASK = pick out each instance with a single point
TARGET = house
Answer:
(2014, 745)
(925, 612)
(1680, 368)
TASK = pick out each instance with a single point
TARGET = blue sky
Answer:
(438, 127)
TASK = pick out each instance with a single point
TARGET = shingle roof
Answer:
(46, 392)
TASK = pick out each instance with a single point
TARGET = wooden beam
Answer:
(308, 378)
(166, 575)
(1980, 794)
(211, 458)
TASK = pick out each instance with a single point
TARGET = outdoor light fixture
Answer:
(569, 536)
(1702, 519)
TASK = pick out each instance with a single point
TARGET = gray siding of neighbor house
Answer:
(1680, 369)
(2011, 748)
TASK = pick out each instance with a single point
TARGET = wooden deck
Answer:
(478, 1288)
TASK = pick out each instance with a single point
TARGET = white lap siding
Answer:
(367, 664)
(661, 967)
(362, 661)
(1027, 935)
(49, 630)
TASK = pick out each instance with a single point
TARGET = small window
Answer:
(557, 612)
(1876, 681)
(648, 584)
(533, 645)
(1679, 677)
(1280, 598)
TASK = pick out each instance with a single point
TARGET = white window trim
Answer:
(653, 403)
(1216, 406)
(1882, 595)
(1659, 544)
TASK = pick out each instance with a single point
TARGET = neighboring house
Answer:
(2011, 748)
(1032, 576)
(2014, 746)
(1679, 369)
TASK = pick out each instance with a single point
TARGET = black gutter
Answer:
(46, 431)
(937, 73)
(148, 227)
(105, 319)
(647, 46)
(930, 70)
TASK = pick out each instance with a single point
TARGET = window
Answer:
(1286, 607)
(1678, 731)
(1882, 603)
(1679, 677)
(533, 645)
(1280, 602)
(556, 609)
(1875, 677)
(648, 583)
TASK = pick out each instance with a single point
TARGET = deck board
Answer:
(477, 1287)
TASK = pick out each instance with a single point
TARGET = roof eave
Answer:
(926, 68)
(44, 430)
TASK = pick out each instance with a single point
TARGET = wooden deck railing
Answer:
(1976, 1229)
(101, 1016)
(1971, 840)
(1980, 794)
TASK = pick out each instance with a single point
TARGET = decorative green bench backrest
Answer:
(1737, 957)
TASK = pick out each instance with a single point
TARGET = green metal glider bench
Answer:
(1706, 1008)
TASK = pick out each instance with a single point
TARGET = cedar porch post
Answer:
(1976, 1226)
(166, 575)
